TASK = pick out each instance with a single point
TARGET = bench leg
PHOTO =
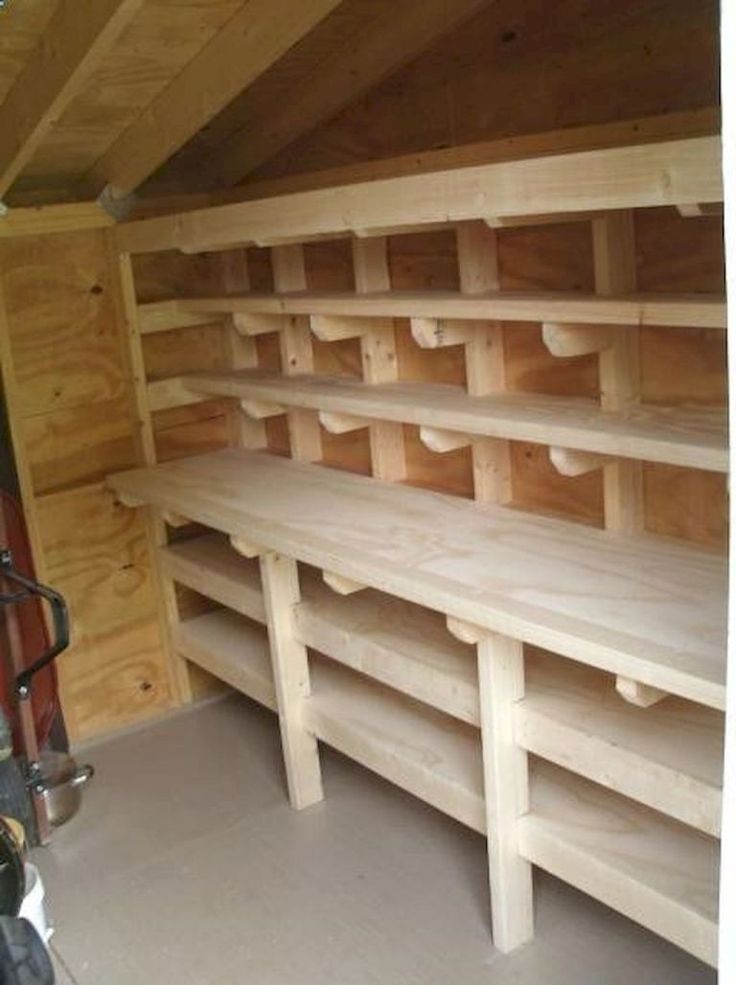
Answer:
(291, 676)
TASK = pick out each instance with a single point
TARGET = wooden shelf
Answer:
(232, 649)
(430, 755)
(210, 566)
(683, 310)
(402, 645)
(690, 437)
(653, 870)
(668, 757)
(670, 172)
(648, 610)
(571, 715)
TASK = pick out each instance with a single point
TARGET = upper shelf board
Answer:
(676, 310)
(684, 436)
(649, 610)
(674, 172)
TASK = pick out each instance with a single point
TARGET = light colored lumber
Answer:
(379, 358)
(485, 363)
(171, 392)
(246, 547)
(337, 82)
(566, 341)
(231, 649)
(614, 262)
(331, 328)
(667, 173)
(683, 310)
(259, 410)
(164, 316)
(291, 676)
(341, 584)
(45, 220)
(401, 645)
(642, 130)
(434, 757)
(687, 436)
(636, 606)
(570, 462)
(297, 354)
(652, 869)
(341, 423)
(638, 694)
(438, 333)
(77, 38)
(251, 41)
(175, 520)
(668, 757)
(210, 566)
(506, 788)
(250, 325)
(441, 441)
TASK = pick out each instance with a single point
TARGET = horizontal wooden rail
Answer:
(558, 308)
(675, 172)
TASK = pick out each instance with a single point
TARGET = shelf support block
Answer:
(260, 409)
(249, 325)
(245, 547)
(337, 423)
(566, 341)
(436, 333)
(636, 693)
(440, 441)
(341, 584)
(336, 328)
(571, 462)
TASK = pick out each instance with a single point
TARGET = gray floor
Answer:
(187, 867)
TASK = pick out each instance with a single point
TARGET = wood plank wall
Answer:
(68, 390)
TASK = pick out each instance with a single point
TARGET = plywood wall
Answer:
(68, 393)
(525, 68)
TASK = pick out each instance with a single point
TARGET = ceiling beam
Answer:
(384, 46)
(78, 36)
(251, 41)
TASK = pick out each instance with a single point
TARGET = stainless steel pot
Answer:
(62, 785)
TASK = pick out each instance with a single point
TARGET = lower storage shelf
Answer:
(659, 873)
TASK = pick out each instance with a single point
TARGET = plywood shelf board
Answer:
(669, 757)
(233, 650)
(650, 610)
(683, 310)
(676, 172)
(654, 870)
(210, 566)
(685, 436)
(434, 757)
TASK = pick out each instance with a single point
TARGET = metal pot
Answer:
(62, 783)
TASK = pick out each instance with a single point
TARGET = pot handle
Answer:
(82, 775)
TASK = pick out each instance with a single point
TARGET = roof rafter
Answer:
(78, 36)
(336, 82)
(257, 36)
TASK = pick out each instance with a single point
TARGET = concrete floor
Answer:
(187, 867)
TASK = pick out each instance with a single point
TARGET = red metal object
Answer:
(32, 637)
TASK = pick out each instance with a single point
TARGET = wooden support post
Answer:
(167, 605)
(614, 255)
(245, 431)
(477, 250)
(506, 782)
(297, 356)
(280, 581)
(379, 359)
